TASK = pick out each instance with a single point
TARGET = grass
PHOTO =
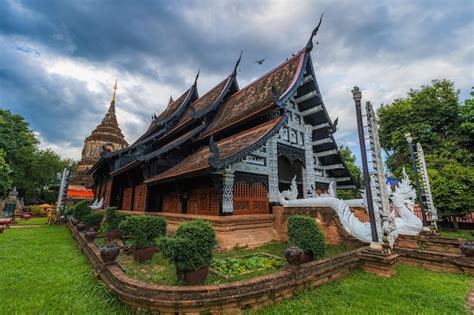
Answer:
(159, 270)
(457, 234)
(32, 221)
(42, 271)
(412, 291)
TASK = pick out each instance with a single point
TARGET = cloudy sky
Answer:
(59, 59)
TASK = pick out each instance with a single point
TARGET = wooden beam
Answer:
(307, 79)
(326, 153)
(305, 97)
(332, 167)
(312, 110)
(322, 141)
(342, 179)
(320, 126)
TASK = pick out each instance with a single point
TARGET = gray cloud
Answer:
(58, 59)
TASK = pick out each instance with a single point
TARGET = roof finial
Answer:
(309, 45)
(171, 100)
(234, 73)
(197, 76)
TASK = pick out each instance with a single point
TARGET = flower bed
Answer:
(229, 267)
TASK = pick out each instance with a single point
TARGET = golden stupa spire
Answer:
(115, 90)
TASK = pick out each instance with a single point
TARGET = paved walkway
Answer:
(470, 299)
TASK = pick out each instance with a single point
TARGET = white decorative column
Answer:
(309, 177)
(228, 191)
(272, 164)
(389, 229)
(427, 187)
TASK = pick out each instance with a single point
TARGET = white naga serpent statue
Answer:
(403, 200)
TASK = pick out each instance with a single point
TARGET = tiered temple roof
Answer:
(236, 119)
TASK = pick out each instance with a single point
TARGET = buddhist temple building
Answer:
(106, 137)
(231, 150)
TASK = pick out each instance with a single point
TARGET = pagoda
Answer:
(106, 137)
(230, 151)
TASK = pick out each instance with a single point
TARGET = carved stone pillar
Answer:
(309, 177)
(426, 184)
(228, 192)
(272, 162)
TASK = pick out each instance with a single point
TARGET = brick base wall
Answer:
(228, 298)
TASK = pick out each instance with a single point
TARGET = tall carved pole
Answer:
(387, 217)
(357, 96)
(62, 190)
(415, 174)
(426, 184)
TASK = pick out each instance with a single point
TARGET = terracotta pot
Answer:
(306, 257)
(109, 252)
(145, 254)
(80, 226)
(293, 255)
(467, 248)
(2, 227)
(113, 235)
(90, 235)
(194, 277)
(75, 222)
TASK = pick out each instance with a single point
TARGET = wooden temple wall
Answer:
(139, 200)
(107, 193)
(203, 201)
(250, 199)
(127, 199)
(171, 202)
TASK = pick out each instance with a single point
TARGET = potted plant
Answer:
(69, 213)
(109, 252)
(81, 209)
(143, 231)
(112, 221)
(190, 250)
(90, 235)
(305, 234)
(81, 226)
(93, 220)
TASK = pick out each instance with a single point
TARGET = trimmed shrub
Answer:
(81, 209)
(113, 219)
(93, 219)
(69, 210)
(305, 233)
(192, 246)
(143, 230)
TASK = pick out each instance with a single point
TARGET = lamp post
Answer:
(415, 174)
(357, 96)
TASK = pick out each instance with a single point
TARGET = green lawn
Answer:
(457, 234)
(411, 291)
(32, 221)
(42, 271)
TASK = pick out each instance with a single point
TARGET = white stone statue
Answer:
(331, 191)
(403, 199)
(97, 204)
(291, 194)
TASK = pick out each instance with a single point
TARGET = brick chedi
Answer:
(107, 136)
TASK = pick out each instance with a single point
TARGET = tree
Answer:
(349, 160)
(444, 127)
(5, 181)
(30, 169)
